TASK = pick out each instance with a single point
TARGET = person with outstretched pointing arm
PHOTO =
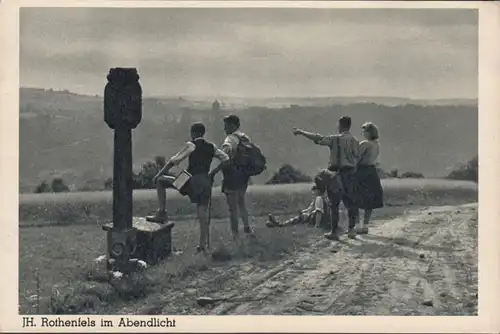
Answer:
(339, 178)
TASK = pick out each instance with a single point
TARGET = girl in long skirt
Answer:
(370, 192)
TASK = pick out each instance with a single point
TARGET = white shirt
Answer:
(317, 205)
(231, 142)
(349, 147)
(369, 152)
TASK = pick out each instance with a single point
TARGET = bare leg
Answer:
(162, 184)
(367, 216)
(243, 211)
(232, 203)
(366, 220)
(161, 195)
(294, 221)
(202, 211)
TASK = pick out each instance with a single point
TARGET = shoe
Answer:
(331, 236)
(159, 217)
(351, 234)
(273, 220)
(200, 249)
(248, 230)
(270, 224)
(362, 230)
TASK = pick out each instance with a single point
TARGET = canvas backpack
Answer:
(249, 157)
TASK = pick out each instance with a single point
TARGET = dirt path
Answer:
(422, 263)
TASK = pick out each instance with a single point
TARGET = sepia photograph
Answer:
(284, 161)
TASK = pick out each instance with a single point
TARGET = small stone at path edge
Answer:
(428, 303)
(305, 306)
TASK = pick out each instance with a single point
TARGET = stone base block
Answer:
(153, 240)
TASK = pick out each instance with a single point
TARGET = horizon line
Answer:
(217, 97)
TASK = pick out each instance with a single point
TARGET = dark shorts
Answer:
(234, 180)
(198, 189)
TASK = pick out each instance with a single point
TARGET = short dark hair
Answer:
(345, 122)
(233, 120)
(320, 182)
(198, 128)
(318, 187)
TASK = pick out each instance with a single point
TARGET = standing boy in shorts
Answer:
(199, 187)
(235, 181)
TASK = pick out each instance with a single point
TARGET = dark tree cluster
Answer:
(56, 186)
(143, 179)
(288, 174)
(467, 171)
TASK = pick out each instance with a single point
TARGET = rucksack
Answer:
(249, 157)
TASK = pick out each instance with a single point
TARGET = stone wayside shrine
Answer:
(128, 237)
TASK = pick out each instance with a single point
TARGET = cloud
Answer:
(271, 52)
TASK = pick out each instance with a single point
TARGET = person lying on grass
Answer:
(313, 215)
(198, 188)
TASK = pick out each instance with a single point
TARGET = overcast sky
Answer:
(412, 53)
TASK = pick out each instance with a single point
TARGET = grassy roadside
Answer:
(96, 207)
(62, 258)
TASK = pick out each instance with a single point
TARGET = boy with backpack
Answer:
(246, 160)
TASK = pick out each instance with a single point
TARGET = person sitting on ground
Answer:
(198, 188)
(315, 214)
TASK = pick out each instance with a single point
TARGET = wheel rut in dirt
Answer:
(421, 263)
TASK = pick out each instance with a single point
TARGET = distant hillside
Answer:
(280, 102)
(64, 134)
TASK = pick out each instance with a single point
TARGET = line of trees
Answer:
(141, 180)
(286, 174)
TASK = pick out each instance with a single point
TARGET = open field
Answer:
(384, 273)
(96, 207)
